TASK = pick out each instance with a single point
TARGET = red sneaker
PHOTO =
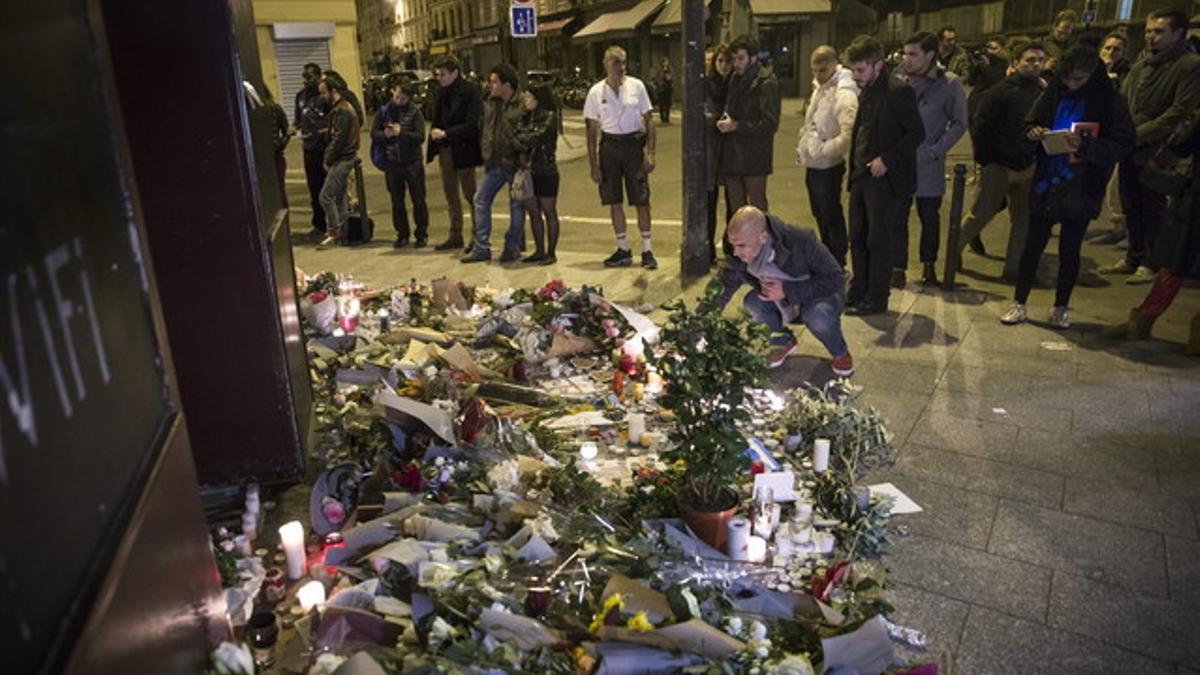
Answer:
(843, 366)
(778, 354)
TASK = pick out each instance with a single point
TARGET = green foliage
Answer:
(859, 440)
(708, 362)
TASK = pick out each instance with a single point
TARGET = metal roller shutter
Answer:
(290, 57)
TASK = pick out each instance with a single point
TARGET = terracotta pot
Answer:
(712, 527)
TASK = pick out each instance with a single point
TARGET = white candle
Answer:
(588, 451)
(736, 544)
(756, 549)
(292, 537)
(311, 595)
(637, 427)
(821, 455)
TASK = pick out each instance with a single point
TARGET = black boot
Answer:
(929, 275)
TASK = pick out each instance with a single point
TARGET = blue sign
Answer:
(523, 19)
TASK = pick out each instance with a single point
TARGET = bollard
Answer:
(953, 247)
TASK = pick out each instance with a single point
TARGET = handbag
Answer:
(522, 185)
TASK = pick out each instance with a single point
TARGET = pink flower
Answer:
(333, 511)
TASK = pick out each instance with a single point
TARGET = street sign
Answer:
(523, 19)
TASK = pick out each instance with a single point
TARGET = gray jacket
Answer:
(943, 107)
(800, 255)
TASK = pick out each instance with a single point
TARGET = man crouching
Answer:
(795, 280)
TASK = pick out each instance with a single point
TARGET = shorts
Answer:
(545, 187)
(623, 159)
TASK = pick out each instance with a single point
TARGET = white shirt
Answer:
(620, 112)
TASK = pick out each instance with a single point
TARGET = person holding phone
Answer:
(402, 127)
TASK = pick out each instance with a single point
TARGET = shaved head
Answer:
(824, 63)
(747, 232)
(824, 54)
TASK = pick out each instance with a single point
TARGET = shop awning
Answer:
(553, 26)
(778, 7)
(671, 18)
(620, 24)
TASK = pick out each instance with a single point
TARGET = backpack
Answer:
(379, 148)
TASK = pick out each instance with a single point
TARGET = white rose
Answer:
(734, 624)
(758, 631)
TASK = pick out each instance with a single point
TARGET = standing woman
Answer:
(716, 91)
(1069, 188)
(536, 137)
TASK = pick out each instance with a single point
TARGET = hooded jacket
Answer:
(1162, 89)
(828, 122)
(998, 129)
(1062, 191)
(754, 103)
(942, 104)
(799, 254)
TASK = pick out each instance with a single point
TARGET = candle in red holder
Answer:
(757, 467)
(274, 586)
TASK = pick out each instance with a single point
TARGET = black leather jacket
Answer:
(536, 137)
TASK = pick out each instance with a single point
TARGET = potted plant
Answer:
(708, 361)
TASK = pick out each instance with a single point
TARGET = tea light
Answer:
(756, 549)
(311, 595)
(292, 537)
(637, 427)
(589, 450)
(821, 455)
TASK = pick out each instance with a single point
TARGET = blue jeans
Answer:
(493, 181)
(822, 318)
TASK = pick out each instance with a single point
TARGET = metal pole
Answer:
(694, 252)
(954, 228)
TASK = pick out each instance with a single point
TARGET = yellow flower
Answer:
(614, 601)
(639, 622)
(681, 464)
(584, 662)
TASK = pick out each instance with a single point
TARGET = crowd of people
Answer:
(1060, 126)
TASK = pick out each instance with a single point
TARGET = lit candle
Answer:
(821, 455)
(292, 537)
(756, 549)
(637, 427)
(311, 595)
(589, 450)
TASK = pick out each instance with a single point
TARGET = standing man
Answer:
(340, 155)
(1004, 155)
(664, 86)
(620, 140)
(454, 141)
(943, 107)
(401, 126)
(883, 171)
(824, 141)
(1161, 89)
(500, 162)
(310, 121)
(794, 279)
(1060, 35)
(954, 58)
(748, 127)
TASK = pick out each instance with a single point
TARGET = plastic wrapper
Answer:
(322, 316)
(909, 636)
(343, 630)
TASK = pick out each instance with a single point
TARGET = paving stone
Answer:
(1164, 513)
(983, 381)
(892, 376)
(1182, 481)
(1134, 466)
(972, 576)
(950, 514)
(1092, 401)
(1041, 363)
(1115, 554)
(997, 644)
(939, 617)
(981, 475)
(1163, 629)
(1183, 570)
(967, 436)
(1003, 408)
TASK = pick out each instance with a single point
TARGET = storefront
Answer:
(788, 31)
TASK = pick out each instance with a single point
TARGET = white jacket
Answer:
(828, 122)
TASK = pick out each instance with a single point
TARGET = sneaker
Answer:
(509, 255)
(475, 256)
(450, 244)
(1143, 275)
(779, 353)
(619, 258)
(899, 279)
(327, 242)
(1119, 267)
(843, 366)
(1058, 317)
(1015, 315)
(648, 260)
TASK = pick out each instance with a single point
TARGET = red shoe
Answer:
(778, 354)
(843, 366)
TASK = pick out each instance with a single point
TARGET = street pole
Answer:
(694, 252)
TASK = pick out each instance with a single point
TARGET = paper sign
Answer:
(901, 503)
(780, 482)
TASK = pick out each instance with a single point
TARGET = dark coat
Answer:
(753, 102)
(344, 128)
(310, 118)
(1162, 90)
(998, 128)
(536, 138)
(716, 91)
(799, 253)
(458, 111)
(1082, 195)
(888, 114)
(1177, 246)
(497, 136)
(404, 149)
